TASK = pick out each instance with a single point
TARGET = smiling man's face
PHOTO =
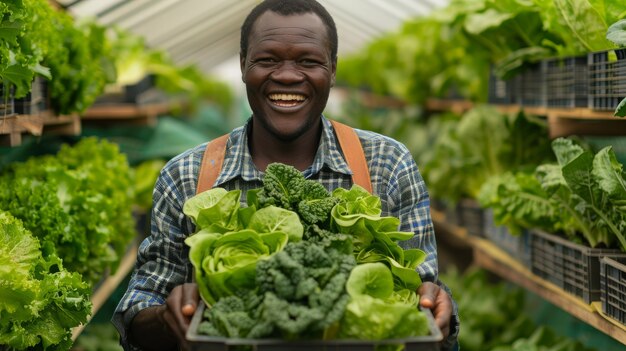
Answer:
(288, 72)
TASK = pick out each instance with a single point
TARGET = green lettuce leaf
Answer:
(275, 219)
(40, 301)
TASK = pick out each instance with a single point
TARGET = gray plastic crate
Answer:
(566, 82)
(607, 78)
(518, 246)
(613, 286)
(472, 217)
(34, 102)
(529, 86)
(500, 91)
(574, 268)
(198, 342)
(7, 102)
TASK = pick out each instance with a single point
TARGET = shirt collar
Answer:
(329, 152)
(238, 161)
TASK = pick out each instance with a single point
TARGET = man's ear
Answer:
(242, 65)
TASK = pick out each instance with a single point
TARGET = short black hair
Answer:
(286, 8)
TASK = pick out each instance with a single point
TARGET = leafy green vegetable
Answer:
(484, 143)
(275, 219)
(215, 210)
(298, 293)
(284, 186)
(229, 240)
(578, 187)
(617, 33)
(20, 52)
(40, 301)
(374, 312)
(519, 202)
(303, 289)
(371, 279)
(281, 271)
(80, 62)
(495, 316)
(375, 237)
(583, 196)
(78, 203)
(225, 264)
(620, 110)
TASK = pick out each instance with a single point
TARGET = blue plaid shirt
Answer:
(162, 261)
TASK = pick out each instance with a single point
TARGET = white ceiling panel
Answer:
(206, 32)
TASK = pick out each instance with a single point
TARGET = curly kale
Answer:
(235, 317)
(304, 289)
(328, 239)
(228, 318)
(300, 292)
(315, 204)
(285, 186)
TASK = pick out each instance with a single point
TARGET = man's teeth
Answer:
(286, 97)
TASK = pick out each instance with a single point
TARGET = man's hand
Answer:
(162, 327)
(179, 308)
(439, 302)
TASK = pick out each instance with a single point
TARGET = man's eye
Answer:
(309, 62)
(266, 60)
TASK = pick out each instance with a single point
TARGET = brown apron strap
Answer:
(348, 141)
(353, 152)
(211, 163)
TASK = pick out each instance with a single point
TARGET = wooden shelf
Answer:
(106, 288)
(126, 113)
(456, 106)
(490, 257)
(12, 127)
(561, 121)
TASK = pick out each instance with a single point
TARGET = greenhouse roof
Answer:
(206, 32)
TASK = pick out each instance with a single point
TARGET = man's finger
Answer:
(428, 294)
(190, 299)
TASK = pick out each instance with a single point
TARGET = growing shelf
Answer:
(561, 121)
(14, 126)
(494, 259)
(132, 114)
(108, 286)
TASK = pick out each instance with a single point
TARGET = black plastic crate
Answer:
(501, 92)
(573, 267)
(128, 94)
(613, 286)
(7, 102)
(566, 82)
(33, 102)
(198, 342)
(518, 246)
(453, 213)
(529, 87)
(133, 92)
(607, 79)
(472, 217)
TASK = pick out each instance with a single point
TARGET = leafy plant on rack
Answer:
(40, 299)
(582, 196)
(617, 34)
(482, 144)
(77, 203)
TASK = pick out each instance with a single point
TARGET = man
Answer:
(288, 63)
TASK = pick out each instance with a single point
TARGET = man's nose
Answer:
(287, 72)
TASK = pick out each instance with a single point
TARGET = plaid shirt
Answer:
(163, 263)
